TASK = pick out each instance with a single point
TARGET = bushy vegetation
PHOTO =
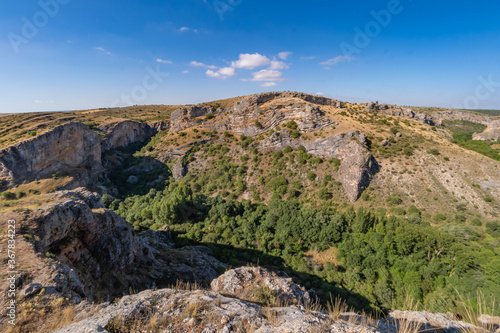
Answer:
(380, 259)
(462, 134)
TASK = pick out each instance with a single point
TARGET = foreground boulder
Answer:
(257, 284)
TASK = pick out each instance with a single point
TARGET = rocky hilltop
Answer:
(287, 178)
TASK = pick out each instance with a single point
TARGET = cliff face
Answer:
(72, 145)
(492, 132)
(123, 133)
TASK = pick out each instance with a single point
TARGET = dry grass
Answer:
(470, 313)
(336, 307)
(272, 315)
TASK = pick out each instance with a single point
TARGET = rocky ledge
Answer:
(173, 310)
(95, 255)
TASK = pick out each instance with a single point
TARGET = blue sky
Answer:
(74, 54)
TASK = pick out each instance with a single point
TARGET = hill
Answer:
(372, 203)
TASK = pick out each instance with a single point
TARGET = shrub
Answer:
(394, 200)
(493, 228)
(209, 116)
(287, 149)
(258, 124)
(8, 195)
(412, 210)
(460, 218)
(433, 151)
(32, 133)
(20, 194)
(295, 134)
(476, 222)
(323, 194)
(292, 125)
(394, 130)
(311, 176)
(488, 198)
(439, 217)
(182, 134)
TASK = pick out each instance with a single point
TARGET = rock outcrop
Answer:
(248, 283)
(492, 132)
(97, 255)
(69, 146)
(266, 97)
(121, 134)
(203, 311)
(358, 165)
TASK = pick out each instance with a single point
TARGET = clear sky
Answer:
(75, 54)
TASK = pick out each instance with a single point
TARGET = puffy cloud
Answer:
(269, 84)
(184, 29)
(222, 73)
(200, 64)
(275, 64)
(267, 75)
(161, 61)
(284, 55)
(251, 61)
(337, 59)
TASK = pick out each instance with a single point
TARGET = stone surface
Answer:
(245, 282)
(121, 134)
(217, 313)
(96, 255)
(492, 132)
(68, 146)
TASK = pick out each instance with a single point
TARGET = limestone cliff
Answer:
(121, 134)
(72, 145)
(492, 132)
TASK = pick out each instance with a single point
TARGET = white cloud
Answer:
(269, 84)
(161, 61)
(200, 64)
(275, 64)
(251, 61)
(319, 93)
(184, 29)
(222, 73)
(267, 75)
(308, 58)
(103, 50)
(337, 59)
(185, 72)
(284, 55)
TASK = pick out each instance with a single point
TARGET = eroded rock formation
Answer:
(492, 132)
(121, 134)
(70, 146)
